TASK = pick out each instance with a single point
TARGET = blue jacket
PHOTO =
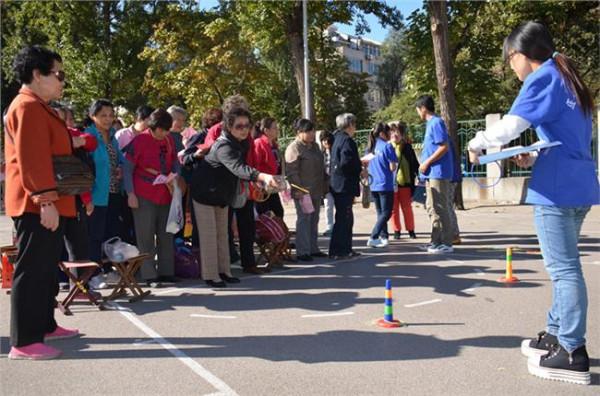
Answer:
(100, 190)
(345, 165)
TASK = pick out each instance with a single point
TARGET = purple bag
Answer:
(187, 263)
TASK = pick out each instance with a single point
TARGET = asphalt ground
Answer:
(309, 329)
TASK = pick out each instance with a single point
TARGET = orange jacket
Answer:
(34, 133)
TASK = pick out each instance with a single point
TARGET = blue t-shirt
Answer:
(379, 167)
(564, 175)
(435, 135)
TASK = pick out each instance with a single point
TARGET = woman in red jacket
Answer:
(268, 160)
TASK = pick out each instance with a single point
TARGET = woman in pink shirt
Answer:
(152, 153)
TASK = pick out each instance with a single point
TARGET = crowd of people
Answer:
(220, 168)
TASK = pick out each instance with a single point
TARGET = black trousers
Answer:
(105, 223)
(340, 243)
(77, 239)
(34, 280)
(273, 204)
(246, 233)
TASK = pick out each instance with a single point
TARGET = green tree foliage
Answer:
(484, 84)
(393, 53)
(99, 42)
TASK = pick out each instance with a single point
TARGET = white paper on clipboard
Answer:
(513, 151)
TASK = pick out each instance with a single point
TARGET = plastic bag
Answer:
(306, 204)
(118, 251)
(176, 219)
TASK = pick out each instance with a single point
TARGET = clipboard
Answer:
(513, 151)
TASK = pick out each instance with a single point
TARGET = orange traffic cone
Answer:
(508, 276)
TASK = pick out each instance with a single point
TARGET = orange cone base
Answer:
(387, 324)
(512, 279)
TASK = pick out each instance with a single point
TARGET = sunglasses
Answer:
(60, 75)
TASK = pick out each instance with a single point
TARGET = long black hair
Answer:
(533, 40)
(374, 134)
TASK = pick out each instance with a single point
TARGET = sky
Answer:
(377, 33)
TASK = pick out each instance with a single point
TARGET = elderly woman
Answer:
(150, 154)
(305, 167)
(105, 221)
(215, 186)
(179, 116)
(267, 159)
(34, 134)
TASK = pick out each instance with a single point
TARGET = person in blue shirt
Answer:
(437, 169)
(381, 168)
(563, 186)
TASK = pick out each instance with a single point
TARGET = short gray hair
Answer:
(345, 120)
(176, 109)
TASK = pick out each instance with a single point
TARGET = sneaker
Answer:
(538, 346)
(440, 249)
(426, 247)
(304, 257)
(384, 242)
(412, 235)
(97, 282)
(396, 234)
(61, 333)
(560, 365)
(37, 351)
(112, 277)
(374, 243)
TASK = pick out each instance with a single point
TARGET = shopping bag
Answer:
(176, 218)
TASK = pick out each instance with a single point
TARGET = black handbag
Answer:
(72, 175)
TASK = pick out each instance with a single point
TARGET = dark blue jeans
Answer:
(340, 243)
(384, 203)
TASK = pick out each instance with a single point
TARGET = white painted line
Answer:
(479, 272)
(470, 289)
(196, 367)
(437, 300)
(456, 261)
(212, 316)
(169, 291)
(327, 314)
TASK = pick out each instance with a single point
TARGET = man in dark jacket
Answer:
(345, 169)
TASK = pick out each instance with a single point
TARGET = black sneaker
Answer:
(412, 235)
(538, 346)
(396, 234)
(560, 365)
(305, 257)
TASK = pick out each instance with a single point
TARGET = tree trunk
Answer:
(106, 11)
(294, 34)
(445, 82)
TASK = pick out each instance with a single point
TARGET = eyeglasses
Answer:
(59, 74)
(241, 127)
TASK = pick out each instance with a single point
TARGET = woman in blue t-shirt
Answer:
(555, 100)
(381, 168)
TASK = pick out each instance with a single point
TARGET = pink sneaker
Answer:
(37, 351)
(61, 333)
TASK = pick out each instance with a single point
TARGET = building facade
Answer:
(363, 56)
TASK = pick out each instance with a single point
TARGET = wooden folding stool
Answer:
(79, 283)
(127, 270)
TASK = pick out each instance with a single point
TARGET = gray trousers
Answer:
(437, 209)
(150, 230)
(451, 212)
(307, 228)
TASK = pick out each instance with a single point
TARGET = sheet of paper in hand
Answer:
(514, 151)
(162, 179)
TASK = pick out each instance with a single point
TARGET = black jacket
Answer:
(345, 165)
(215, 178)
(413, 164)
